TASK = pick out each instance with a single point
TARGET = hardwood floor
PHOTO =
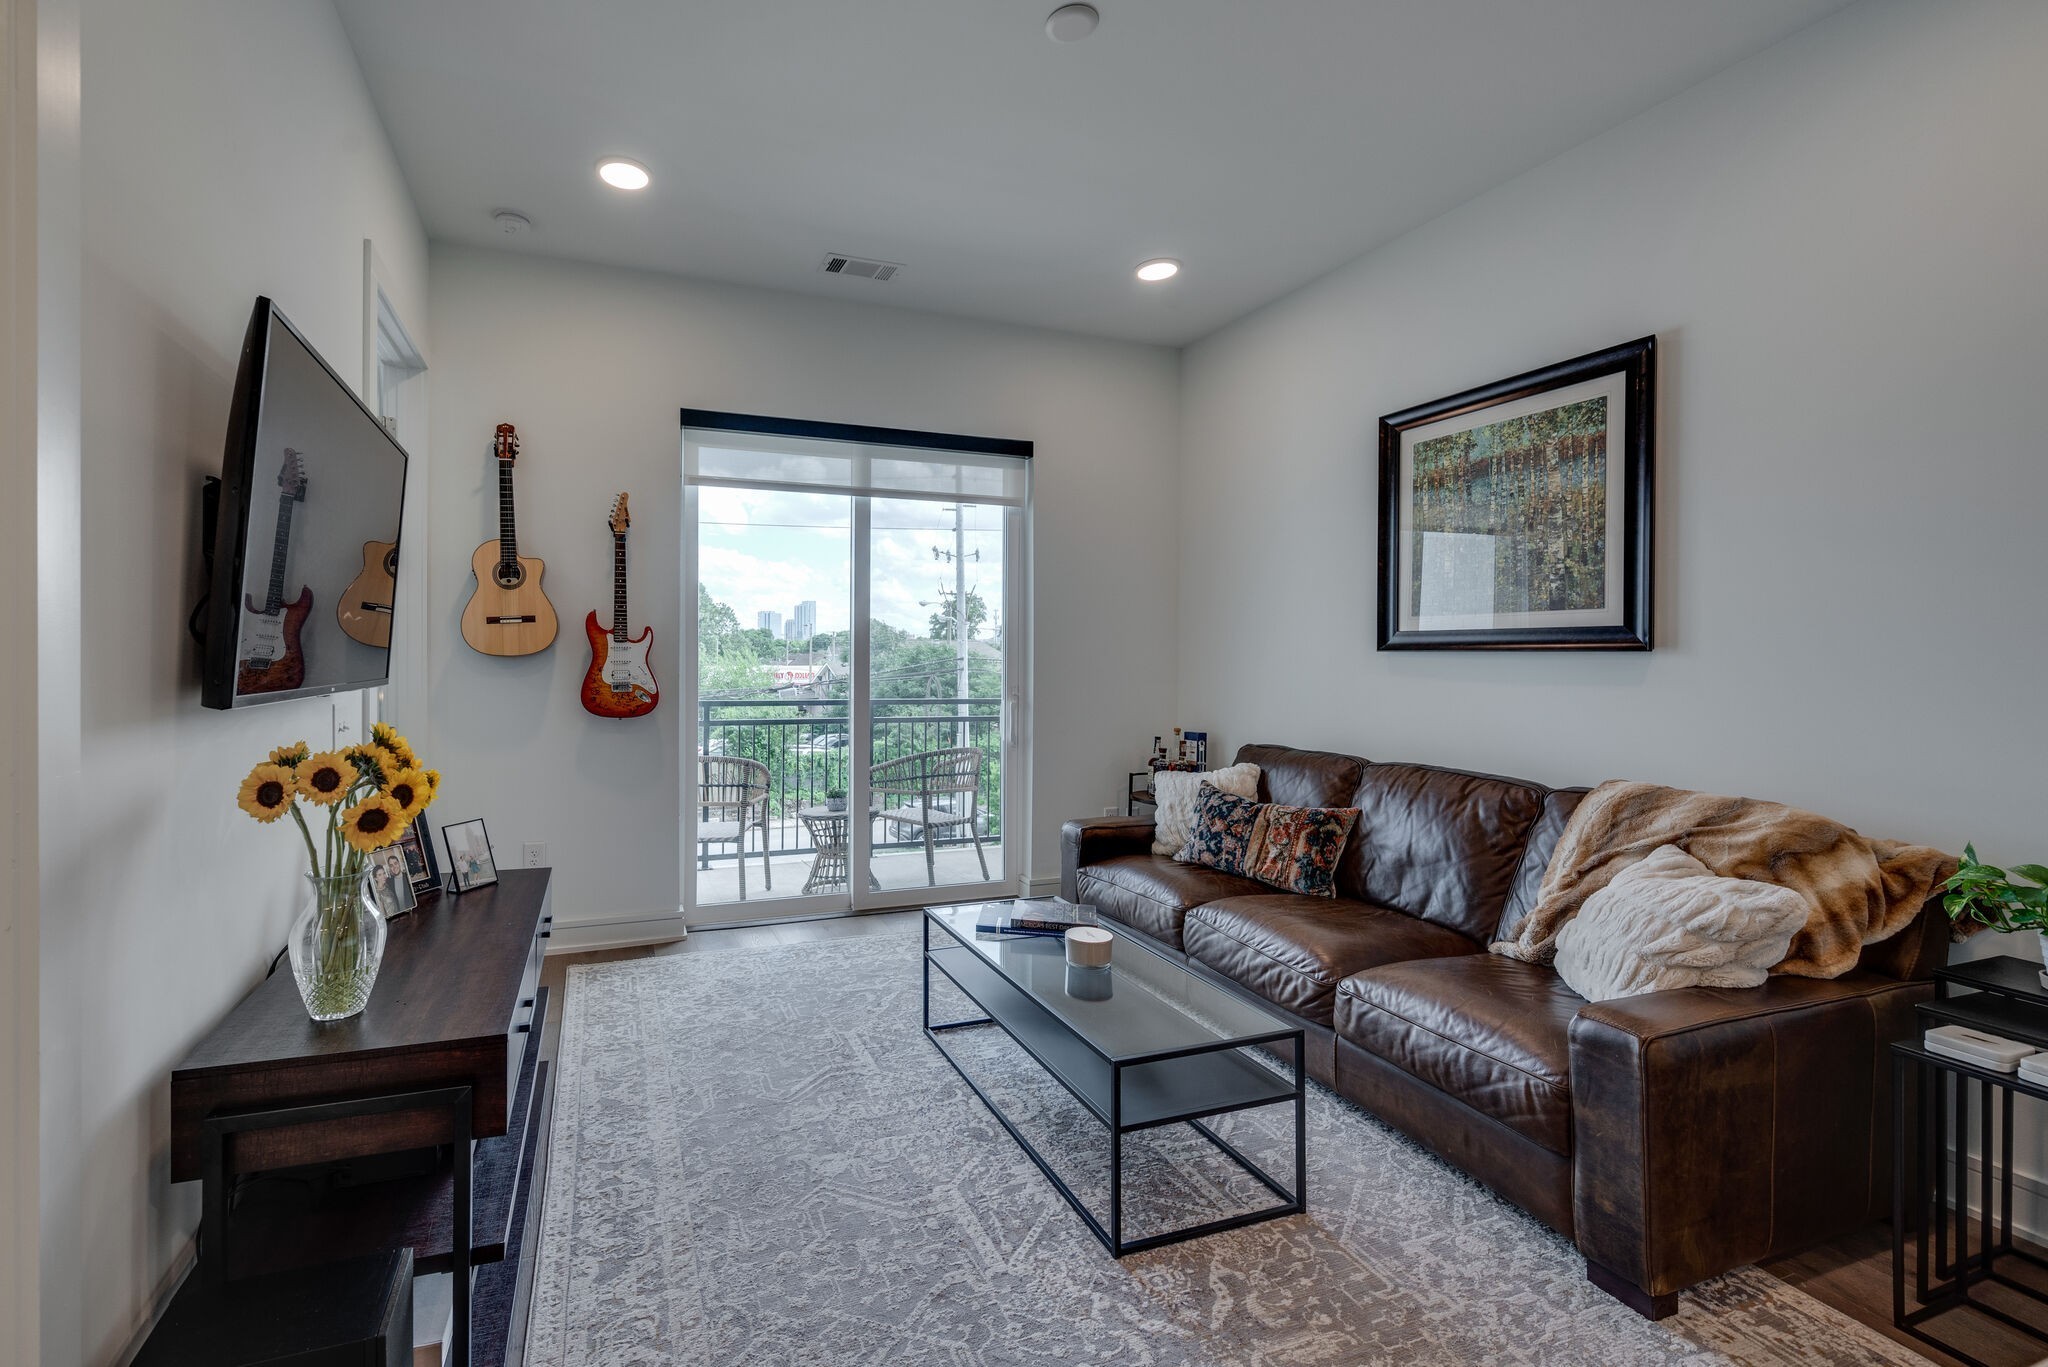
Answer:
(1852, 1274)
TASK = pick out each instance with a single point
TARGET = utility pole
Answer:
(958, 556)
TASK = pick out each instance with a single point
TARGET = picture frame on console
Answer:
(418, 849)
(471, 864)
(1517, 516)
(391, 884)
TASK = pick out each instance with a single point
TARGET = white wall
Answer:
(229, 150)
(592, 365)
(1839, 244)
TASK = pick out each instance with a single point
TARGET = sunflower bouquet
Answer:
(371, 793)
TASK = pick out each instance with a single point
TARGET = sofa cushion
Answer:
(1304, 778)
(1494, 1033)
(1293, 950)
(1438, 843)
(1152, 894)
(1558, 806)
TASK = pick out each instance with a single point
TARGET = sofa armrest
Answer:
(1098, 838)
(1714, 1127)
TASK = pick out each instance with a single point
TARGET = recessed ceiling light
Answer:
(1161, 268)
(622, 174)
(1072, 23)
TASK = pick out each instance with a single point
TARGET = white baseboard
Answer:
(160, 1300)
(2029, 1200)
(1042, 886)
(616, 932)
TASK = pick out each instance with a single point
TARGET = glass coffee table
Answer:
(1141, 1043)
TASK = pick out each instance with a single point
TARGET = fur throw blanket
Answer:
(1858, 891)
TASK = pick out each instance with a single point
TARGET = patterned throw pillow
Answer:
(1297, 848)
(1223, 830)
(1175, 792)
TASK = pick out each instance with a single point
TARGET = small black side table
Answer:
(1138, 789)
(1932, 1100)
(349, 1314)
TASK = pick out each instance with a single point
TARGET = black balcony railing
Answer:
(809, 750)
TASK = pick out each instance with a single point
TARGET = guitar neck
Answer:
(275, 601)
(508, 536)
(618, 586)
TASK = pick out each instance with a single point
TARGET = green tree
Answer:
(943, 625)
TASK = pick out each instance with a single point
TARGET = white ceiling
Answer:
(1263, 142)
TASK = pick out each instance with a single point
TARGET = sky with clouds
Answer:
(764, 550)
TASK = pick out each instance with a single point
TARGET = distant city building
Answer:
(804, 623)
(770, 622)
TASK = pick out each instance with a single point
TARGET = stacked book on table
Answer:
(1051, 917)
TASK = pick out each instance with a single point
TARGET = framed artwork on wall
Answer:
(1516, 516)
(470, 862)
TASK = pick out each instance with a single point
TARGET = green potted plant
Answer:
(2000, 900)
(835, 799)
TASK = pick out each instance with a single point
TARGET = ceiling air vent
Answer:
(838, 263)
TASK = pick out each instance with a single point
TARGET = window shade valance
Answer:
(813, 458)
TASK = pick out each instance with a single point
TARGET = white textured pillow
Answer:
(1176, 792)
(1669, 921)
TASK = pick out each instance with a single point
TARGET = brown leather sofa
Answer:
(1672, 1136)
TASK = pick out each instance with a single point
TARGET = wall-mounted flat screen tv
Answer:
(305, 552)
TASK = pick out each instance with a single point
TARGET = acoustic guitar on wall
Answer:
(271, 658)
(365, 606)
(620, 680)
(507, 614)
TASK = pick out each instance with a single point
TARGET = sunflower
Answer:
(372, 761)
(290, 756)
(433, 783)
(372, 823)
(267, 793)
(410, 790)
(326, 778)
(387, 737)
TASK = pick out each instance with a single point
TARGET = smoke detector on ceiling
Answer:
(839, 263)
(510, 224)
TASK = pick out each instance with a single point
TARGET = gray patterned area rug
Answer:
(758, 1160)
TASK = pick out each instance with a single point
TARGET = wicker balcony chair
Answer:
(914, 791)
(732, 799)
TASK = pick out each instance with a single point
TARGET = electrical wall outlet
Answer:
(1109, 811)
(534, 854)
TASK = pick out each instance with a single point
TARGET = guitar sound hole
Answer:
(509, 576)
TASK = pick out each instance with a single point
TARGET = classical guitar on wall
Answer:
(507, 614)
(365, 606)
(620, 680)
(271, 659)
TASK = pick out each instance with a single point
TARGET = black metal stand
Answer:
(1293, 1202)
(216, 1130)
(1935, 1146)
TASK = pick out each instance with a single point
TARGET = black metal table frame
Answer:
(216, 1129)
(1937, 1173)
(1293, 1202)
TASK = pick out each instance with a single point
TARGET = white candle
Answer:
(1088, 946)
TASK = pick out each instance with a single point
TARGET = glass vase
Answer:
(337, 945)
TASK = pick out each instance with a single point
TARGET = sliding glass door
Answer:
(857, 720)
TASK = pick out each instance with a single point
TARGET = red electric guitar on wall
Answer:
(271, 659)
(620, 680)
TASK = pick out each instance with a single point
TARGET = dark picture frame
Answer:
(1598, 584)
(418, 848)
(467, 871)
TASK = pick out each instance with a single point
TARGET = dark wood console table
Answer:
(319, 1142)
